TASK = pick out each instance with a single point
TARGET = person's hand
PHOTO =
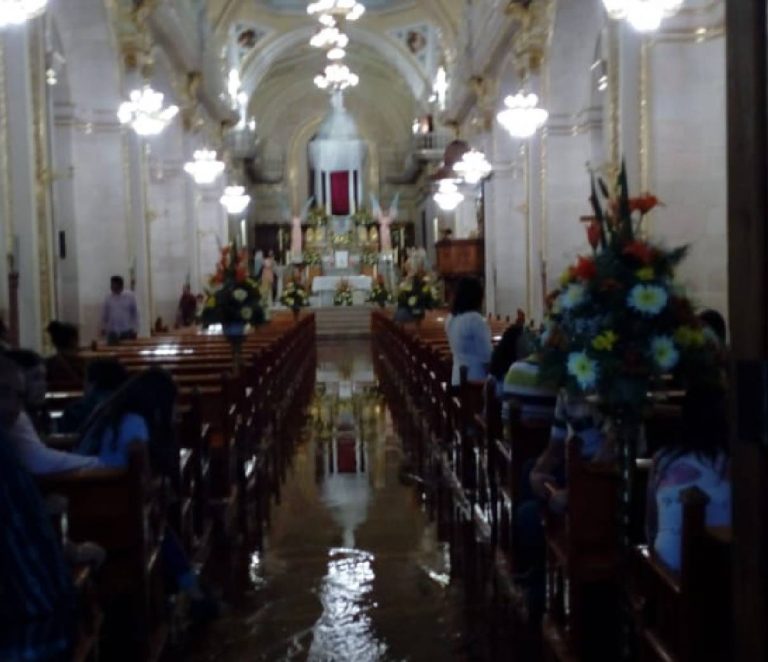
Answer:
(539, 483)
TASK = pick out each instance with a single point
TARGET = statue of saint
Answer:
(385, 221)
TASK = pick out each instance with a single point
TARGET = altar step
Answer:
(343, 322)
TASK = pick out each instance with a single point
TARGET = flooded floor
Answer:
(351, 568)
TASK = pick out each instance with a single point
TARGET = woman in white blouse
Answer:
(468, 333)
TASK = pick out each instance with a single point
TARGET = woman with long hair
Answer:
(468, 333)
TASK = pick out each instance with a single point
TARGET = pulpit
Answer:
(460, 258)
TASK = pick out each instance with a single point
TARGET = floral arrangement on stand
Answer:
(621, 323)
(317, 216)
(343, 295)
(233, 298)
(294, 296)
(312, 258)
(417, 294)
(369, 258)
(379, 293)
(342, 239)
(363, 217)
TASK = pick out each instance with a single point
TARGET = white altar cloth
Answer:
(325, 288)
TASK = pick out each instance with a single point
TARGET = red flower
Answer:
(585, 268)
(241, 274)
(594, 232)
(640, 251)
(643, 204)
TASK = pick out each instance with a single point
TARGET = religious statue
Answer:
(385, 221)
(296, 222)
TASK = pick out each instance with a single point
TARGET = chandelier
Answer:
(348, 10)
(473, 167)
(448, 196)
(145, 112)
(16, 12)
(522, 117)
(336, 77)
(643, 15)
(235, 200)
(329, 37)
(204, 167)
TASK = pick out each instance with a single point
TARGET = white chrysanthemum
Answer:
(573, 296)
(647, 299)
(412, 301)
(664, 352)
(246, 313)
(240, 295)
(583, 369)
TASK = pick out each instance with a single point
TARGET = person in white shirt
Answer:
(120, 314)
(468, 333)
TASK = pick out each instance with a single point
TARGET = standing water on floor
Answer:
(351, 568)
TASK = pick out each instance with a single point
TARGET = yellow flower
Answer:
(605, 341)
(211, 303)
(646, 273)
(687, 336)
(566, 277)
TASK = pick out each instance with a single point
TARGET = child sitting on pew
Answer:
(700, 460)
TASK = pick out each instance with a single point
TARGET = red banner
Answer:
(340, 193)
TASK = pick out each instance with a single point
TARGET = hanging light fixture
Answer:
(522, 117)
(145, 113)
(643, 15)
(16, 12)
(204, 167)
(348, 10)
(448, 196)
(336, 77)
(473, 167)
(235, 200)
(329, 37)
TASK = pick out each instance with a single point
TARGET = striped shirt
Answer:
(575, 417)
(524, 390)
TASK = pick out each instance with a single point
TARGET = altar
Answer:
(324, 287)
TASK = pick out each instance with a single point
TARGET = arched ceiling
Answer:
(300, 6)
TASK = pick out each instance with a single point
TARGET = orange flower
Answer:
(640, 251)
(585, 268)
(643, 204)
(593, 234)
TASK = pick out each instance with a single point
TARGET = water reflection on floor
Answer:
(351, 569)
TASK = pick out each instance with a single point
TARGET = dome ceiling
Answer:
(300, 6)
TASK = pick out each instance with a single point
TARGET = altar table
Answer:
(325, 287)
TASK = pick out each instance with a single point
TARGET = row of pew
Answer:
(237, 418)
(605, 599)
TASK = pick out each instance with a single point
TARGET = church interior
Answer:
(412, 330)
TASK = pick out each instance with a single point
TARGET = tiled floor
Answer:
(351, 568)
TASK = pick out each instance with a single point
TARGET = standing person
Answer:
(268, 280)
(468, 333)
(120, 314)
(185, 315)
(258, 264)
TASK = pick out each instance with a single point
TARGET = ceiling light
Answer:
(522, 117)
(337, 54)
(235, 200)
(473, 167)
(448, 196)
(16, 12)
(329, 37)
(145, 112)
(643, 15)
(349, 10)
(204, 167)
(336, 77)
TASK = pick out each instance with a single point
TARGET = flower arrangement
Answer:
(369, 258)
(343, 296)
(417, 294)
(620, 323)
(312, 258)
(294, 296)
(317, 216)
(379, 293)
(363, 217)
(342, 239)
(233, 296)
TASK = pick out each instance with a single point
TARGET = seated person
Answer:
(20, 433)
(468, 333)
(33, 372)
(700, 459)
(65, 366)
(103, 377)
(37, 596)
(526, 397)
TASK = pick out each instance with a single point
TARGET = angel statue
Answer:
(385, 221)
(296, 221)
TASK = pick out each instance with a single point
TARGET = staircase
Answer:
(343, 322)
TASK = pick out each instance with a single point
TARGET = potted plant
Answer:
(295, 297)
(343, 295)
(416, 295)
(380, 295)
